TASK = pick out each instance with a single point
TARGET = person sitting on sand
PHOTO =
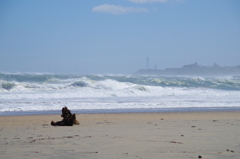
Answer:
(69, 119)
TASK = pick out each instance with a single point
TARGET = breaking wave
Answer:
(63, 81)
(37, 92)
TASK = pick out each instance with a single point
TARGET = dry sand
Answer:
(206, 135)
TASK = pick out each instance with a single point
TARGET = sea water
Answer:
(21, 93)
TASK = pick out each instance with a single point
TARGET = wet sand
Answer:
(182, 135)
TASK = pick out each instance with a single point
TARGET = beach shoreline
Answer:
(123, 111)
(123, 135)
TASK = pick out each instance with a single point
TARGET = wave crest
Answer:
(7, 85)
(111, 82)
(80, 84)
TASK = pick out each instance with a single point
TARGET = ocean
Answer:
(45, 93)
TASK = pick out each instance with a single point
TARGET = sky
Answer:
(117, 36)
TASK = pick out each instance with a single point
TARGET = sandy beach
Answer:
(182, 135)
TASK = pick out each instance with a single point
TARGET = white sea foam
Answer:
(52, 92)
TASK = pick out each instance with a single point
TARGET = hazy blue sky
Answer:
(116, 36)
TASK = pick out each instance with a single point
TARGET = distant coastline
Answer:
(195, 69)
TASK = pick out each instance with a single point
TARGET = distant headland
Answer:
(195, 69)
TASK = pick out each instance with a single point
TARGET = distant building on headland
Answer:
(194, 69)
